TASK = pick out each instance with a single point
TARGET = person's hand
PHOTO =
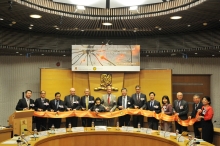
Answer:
(83, 109)
(189, 117)
(141, 108)
(69, 109)
(120, 107)
(107, 108)
(89, 110)
(136, 107)
(39, 109)
(24, 109)
(199, 110)
(52, 110)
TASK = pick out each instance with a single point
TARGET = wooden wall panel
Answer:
(130, 81)
(80, 82)
(94, 82)
(158, 81)
(56, 80)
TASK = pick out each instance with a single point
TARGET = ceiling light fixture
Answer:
(1, 19)
(107, 23)
(213, 55)
(17, 52)
(196, 53)
(205, 23)
(13, 22)
(42, 54)
(176, 17)
(10, 24)
(57, 28)
(36, 16)
(31, 25)
(189, 25)
(123, 28)
(64, 55)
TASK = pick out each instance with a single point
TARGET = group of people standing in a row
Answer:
(109, 103)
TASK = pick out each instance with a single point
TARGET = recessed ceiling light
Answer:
(35, 16)
(107, 23)
(196, 53)
(205, 23)
(42, 54)
(20, 54)
(176, 17)
(10, 24)
(82, 30)
(16, 52)
(123, 28)
(97, 28)
(159, 28)
(213, 55)
(189, 25)
(31, 25)
(57, 28)
(64, 55)
(1, 19)
(13, 22)
(156, 26)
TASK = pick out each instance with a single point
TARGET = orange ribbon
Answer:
(90, 114)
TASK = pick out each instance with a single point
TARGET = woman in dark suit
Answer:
(98, 108)
(205, 117)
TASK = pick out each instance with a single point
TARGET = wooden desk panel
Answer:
(5, 134)
(216, 139)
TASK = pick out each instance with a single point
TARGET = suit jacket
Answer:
(129, 103)
(182, 109)
(156, 106)
(22, 103)
(113, 103)
(194, 111)
(39, 104)
(76, 102)
(141, 103)
(61, 107)
(83, 102)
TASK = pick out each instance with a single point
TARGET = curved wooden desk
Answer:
(5, 134)
(112, 137)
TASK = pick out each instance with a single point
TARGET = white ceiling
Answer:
(113, 3)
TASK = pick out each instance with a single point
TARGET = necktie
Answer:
(196, 106)
(71, 100)
(138, 97)
(87, 102)
(42, 100)
(151, 103)
(109, 99)
(57, 104)
(123, 102)
(28, 103)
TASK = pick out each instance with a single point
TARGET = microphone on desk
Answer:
(30, 133)
(22, 137)
(43, 127)
(85, 124)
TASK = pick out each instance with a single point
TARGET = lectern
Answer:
(21, 120)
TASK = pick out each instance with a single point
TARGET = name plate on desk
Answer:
(78, 129)
(127, 128)
(164, 133)
(100, 128)
(180, 138)
(149, 131)
(43, 133)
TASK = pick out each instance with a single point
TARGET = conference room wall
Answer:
(20, 73)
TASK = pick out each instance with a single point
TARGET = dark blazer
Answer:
(44, 106)
(61, 107)
(156, 106)
(83, 102)
(183, 109)
(100, 108)
(129, 103)
(23, 104)
(142, 102)
(194, 111)
(76, 102)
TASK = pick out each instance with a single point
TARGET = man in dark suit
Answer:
(72, 102)
(153, 105)
(181, 108)
(41, 104)
(124, 102)
(139, 102)
(25, 103)
(195, 107)
(56, 105)
(87, 102)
